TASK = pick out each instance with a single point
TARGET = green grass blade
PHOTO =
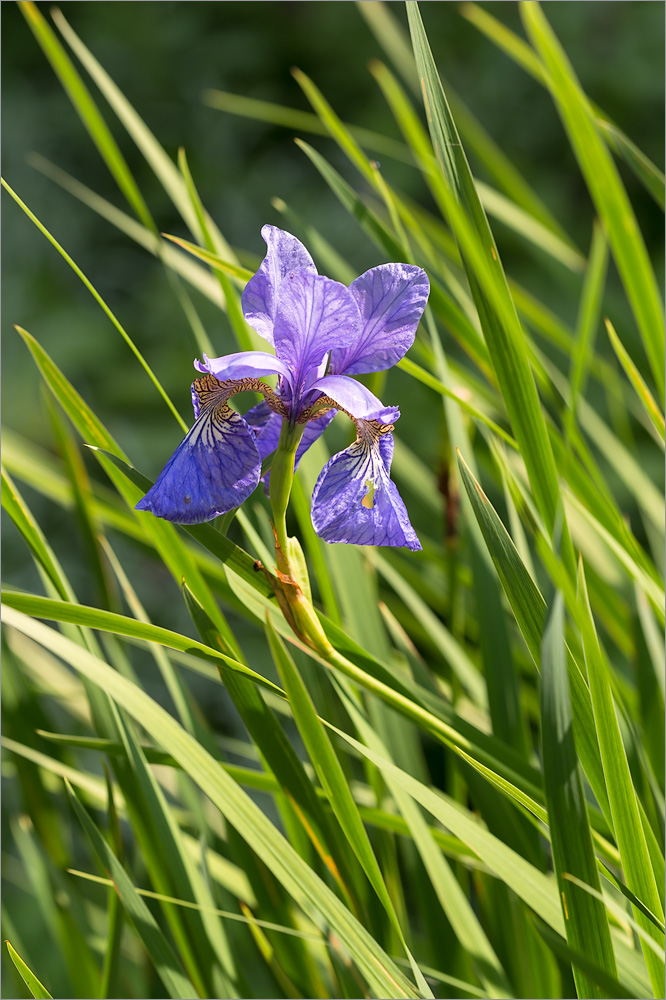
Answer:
(79, 614)
(383, 977)
(636, 379)
(162, 165)
(529, 609)
(86, 109)
(14, 505)
(301, 121)
(629, 833)
(608, 985)
(35, 988)
(334, 783)
(98, 298)
(450, 894)
(520, 52)
(650, 176)
(504, 336)
(585, 919)
(586, 326)
(157, 946)
(607, 190)
(622, 916)
(235, 270)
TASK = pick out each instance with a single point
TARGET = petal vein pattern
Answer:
(215, 469)
(354, 499)
(391, 299)
(284, 254)
(313, 315)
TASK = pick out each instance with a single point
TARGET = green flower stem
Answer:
(282, 477)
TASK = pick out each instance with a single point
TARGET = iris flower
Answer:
(323, 334)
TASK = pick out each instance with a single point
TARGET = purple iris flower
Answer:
(323, 333)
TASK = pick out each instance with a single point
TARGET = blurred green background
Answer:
(164, 56)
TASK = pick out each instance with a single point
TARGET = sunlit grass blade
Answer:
(157, 946)
(245, 335)
(535, 888)
(334, 783)
(529, 608)
(301, 121)
(95, 294)
(636, 379)
(622, 916)
(162, 165)
(520, 52)
(35, 988)
(235, 270)
(281, 759)
(586, 326)
(79, 614)
(504, 336)
(650, 176)
(629, 833)
(606, 189)
(450, 894)
(86, 109)
(298, 879)
(248, 777)
(13, 504)
(395, 41)
(585, 919)
(604, 984)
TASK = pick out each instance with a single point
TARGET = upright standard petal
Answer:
(354, 499)
(314, 314)
(284, 254)
(391, 299)
(215, 468)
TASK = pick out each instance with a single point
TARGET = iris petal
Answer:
(355, 398)
(313, 315)
(355, 501)
(391, 299)
(284, 254)
(244, 364)
(213, 470)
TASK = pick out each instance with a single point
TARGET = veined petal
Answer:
(356, 398)
(285, 253)
(391, 299)
(245, 364)
(266, 426)
(355, 501)
(212, 471)
(313, 315)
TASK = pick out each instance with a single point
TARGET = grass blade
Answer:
(606, 188)
(157, 946)
(585, 919)
(35, 988)
(504, 336)
(383, 977)
(629, 833)
(86, 109)
(636, 379)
